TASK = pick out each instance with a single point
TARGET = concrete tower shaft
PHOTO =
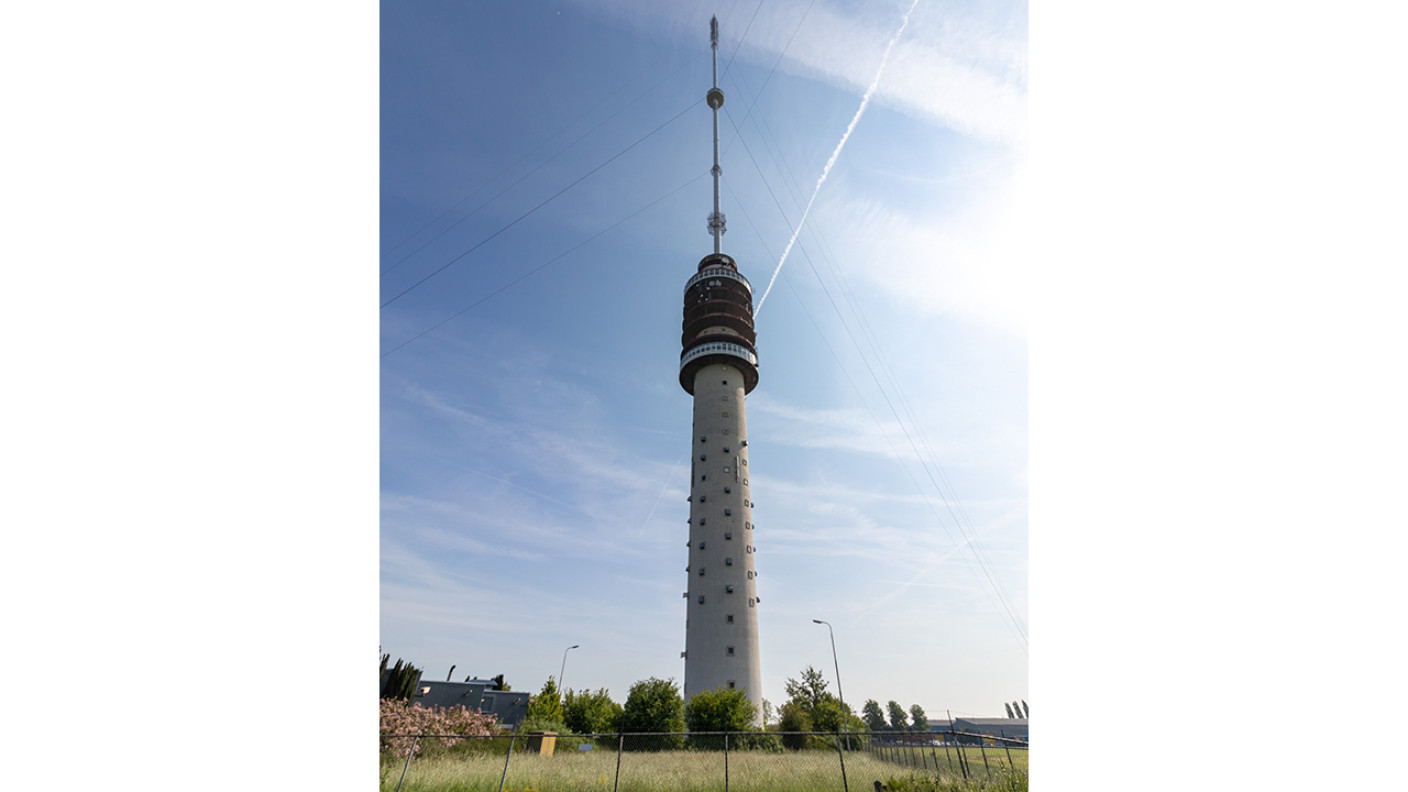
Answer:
(721, 629)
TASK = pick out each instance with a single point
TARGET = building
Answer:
(718, 367)
(476, 694)
(1010, 728)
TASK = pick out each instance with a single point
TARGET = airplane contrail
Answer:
(826, 171)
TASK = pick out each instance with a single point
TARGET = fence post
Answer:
(1008, 749)
(409, 754)
(982, 749)
(509, 756)
(620, 746)
(842, 754)
(725, 761)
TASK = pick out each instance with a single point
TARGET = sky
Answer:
(544, 189)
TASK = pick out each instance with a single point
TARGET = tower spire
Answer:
(717, 223)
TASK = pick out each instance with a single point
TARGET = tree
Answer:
(720, 709)
(401, 681)
(654, 705)
(920, 720)
(793, 717)
(499, 683)
(810, 691)
(874, 718)
(585, 712)
(1009, 709)
(768, 712)
(546, 706)
(898, 721)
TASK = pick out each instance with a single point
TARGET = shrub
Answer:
(586, 712)
(654, 705)
(398, 717)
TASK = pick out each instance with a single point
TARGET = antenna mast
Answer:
(715, 98)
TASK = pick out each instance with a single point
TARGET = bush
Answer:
(547, 705)
(398, 717)
(793, 717)
(720, 709)
(654, 706)
(586, 712)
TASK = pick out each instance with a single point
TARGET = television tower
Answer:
(718, 367)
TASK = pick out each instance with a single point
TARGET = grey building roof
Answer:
(509, 706)
(1000, 727)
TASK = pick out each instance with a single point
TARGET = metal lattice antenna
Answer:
(717, 223)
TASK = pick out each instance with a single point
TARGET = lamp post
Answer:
(563, 670)
(841, 695)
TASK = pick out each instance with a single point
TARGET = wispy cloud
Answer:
(972, 263)
(846, 429)
(961, 67)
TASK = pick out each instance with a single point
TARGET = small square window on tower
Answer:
(727, 535)
(730, 618)
(728, 512)
(750, 601)
(728, 490)
(728, 561)
(728, 589)
(701, 600)
(701, 571)
(730, 654)
(701, 545)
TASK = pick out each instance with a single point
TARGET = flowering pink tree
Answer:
(397, 717)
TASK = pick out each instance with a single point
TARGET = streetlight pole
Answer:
(562, 690)
(842, 696)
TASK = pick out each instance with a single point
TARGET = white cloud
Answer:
(973, 263)
(847, 429)
(958, 67)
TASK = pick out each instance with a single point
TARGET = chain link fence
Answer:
(686, 762)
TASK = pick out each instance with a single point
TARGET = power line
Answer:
(539, 167)
(552, 198)
(538, 268)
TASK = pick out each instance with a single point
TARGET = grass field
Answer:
(701, 771)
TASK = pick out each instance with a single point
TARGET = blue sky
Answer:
(532, 446)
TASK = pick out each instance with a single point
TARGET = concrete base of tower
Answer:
(721, 629)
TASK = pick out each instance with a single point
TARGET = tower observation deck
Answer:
(718, 367)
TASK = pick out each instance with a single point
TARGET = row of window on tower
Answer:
(727, 562)
(729, 589)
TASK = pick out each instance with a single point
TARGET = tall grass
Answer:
(691, 771)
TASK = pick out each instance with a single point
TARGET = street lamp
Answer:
(563, 670)
(842, 696)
